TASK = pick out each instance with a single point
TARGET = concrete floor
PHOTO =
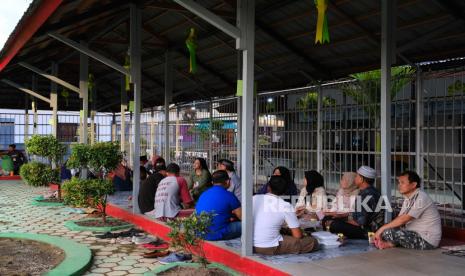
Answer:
(396, 262)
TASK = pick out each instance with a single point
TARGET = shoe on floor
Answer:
(124, 240)
(156, 254)
(107, 235)
(175, 257)
(142, 240)
(153, 246)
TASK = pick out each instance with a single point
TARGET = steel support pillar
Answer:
(418, 125)
(246, 23)
(113, 127)
(135, 55)
(152, 133)
(84, 92)
(168, 95)
(387, 50)
(319, 129)
(26, 118)
(124, 107)
(54, 100)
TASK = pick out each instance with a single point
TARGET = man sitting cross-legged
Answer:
(367, 217)
(223, 205)
(269, 213)
(418, 225)
(171, 192)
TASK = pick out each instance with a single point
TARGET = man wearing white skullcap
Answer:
(357, 224)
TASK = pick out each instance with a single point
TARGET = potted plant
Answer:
(187, 235)
(37, 173)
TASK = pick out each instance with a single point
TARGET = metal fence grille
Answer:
(327, 128)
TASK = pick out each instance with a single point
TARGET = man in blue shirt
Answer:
(224, 206)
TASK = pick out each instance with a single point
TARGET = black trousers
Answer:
(349, 230)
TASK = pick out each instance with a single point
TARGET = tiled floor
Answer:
(18, 215)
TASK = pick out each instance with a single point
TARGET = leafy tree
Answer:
(46, 146)
(102, 158)
(365, 91)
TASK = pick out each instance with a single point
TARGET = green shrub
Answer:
(38, 174)
(80, 156)
(88, 193)
(104, 156)
(46, 146)
(75, 192)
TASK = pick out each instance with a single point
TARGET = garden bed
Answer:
(97, 225)
(28, 257)
(46, 255)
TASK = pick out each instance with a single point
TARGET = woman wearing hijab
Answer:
(346, 193)
(200, 178)
(286, 174)
(314, 187)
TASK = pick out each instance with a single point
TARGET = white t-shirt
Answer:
(167, 200)
(270, 212)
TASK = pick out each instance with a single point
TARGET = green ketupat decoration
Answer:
(127, 78)
(322, 32)
(191, 45)
(65, 94)
(90, 86)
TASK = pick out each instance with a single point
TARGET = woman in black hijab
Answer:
(286, 174)
(314, 187)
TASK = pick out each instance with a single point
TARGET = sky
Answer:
(11, 12)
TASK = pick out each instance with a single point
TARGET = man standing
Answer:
(171, 192)
(235, 187)
(418, 225)
(366, 218)
(17, 157)
(224, 207)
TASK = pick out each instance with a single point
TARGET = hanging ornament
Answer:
(90, 87)
(127, 78)
(65, 94)
(191, 45)
(322, 32)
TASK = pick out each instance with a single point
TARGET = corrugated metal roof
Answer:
(285, 51)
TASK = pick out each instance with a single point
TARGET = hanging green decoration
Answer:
(90, 87)
(65, 94)
(322, 32)
(127, 78)
(191, 45)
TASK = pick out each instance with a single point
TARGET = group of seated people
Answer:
(356, 211)
(11, 161)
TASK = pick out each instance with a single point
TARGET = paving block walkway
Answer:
(18, 215)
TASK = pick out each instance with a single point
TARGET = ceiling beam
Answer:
(85, 50)
(25, 90)
(50, 77)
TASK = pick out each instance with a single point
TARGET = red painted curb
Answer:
(14, 177)
(213, 252)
